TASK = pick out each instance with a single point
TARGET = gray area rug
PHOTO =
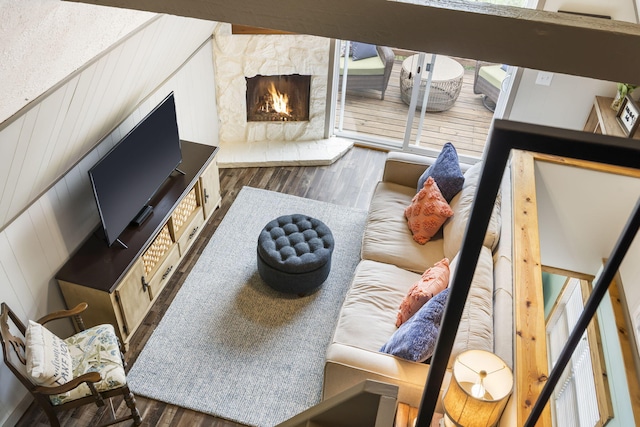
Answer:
(232, 347)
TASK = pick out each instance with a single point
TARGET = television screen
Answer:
(127, 176)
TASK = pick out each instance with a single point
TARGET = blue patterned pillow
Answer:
(363, 51)
(446, 172)
(416, 338)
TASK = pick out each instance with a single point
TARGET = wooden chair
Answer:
(95, 373)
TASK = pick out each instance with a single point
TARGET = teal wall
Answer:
(551, 286)
(622, 410)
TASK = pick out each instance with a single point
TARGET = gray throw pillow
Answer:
(446, 173)
(363, 51)
(416, 338)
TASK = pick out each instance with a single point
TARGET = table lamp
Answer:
(479, 389)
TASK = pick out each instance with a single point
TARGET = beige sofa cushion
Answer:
(368, 315)
(387, 237)
(476, 324)
(366, 322)
(454, 228)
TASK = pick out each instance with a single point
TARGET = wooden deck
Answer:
(466, 124)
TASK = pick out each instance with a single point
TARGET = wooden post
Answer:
(531, 366)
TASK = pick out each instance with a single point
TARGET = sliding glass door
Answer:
(413, 101)
(368, 101)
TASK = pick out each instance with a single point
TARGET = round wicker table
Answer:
(445, 83)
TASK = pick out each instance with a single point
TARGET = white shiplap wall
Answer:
(42, 144)
(46, 204)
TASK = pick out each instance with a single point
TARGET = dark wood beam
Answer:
(247, 29)
(558, 42)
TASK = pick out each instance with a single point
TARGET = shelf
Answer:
(602, 119)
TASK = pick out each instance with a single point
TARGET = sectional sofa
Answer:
(392, 261)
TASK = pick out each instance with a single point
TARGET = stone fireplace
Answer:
(281, 98)
(239, 58)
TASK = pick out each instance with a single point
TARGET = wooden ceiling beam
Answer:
(248, 29)
(571, 44)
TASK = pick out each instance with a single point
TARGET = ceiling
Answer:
(556, 42)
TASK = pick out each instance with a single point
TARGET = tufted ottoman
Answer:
(294, 253)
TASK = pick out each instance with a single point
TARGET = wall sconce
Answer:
(479, 390)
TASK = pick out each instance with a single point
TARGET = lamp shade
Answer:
(479, 389)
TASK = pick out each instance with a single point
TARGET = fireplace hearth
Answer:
(279, 98)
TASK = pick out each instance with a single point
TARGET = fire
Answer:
(280, 102)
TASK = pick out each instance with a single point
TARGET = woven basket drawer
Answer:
(156, 252)
(182, 214)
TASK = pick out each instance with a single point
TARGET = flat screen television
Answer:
(126, 178)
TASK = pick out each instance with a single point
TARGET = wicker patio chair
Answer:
(488, 82)
(364, 79)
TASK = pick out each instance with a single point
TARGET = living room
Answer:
(61, 210)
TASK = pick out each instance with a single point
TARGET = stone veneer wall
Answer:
(239, 56)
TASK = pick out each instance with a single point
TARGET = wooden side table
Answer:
(602, 119)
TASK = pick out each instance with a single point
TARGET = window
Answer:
(581, 397)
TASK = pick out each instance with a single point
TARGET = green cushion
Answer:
(364, 67)
(493, 74)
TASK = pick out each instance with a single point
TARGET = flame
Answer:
(280, 101)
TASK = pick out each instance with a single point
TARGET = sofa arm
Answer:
(405, 168)
(347, 365)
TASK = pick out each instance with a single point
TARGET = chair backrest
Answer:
(13, 347)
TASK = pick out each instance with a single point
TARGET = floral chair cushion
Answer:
(94, 350)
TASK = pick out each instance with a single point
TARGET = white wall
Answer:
(581, 214)
(615, 366)
(630, 276)
(31, 57)
(41, 144)
(564, 104)
(178, 57)
(567, 101)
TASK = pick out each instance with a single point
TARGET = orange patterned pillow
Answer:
(432, 282)
(427, 212)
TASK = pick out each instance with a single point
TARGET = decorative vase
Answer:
(617, 101)
(624, 89)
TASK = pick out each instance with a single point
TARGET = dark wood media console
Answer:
(120, 284)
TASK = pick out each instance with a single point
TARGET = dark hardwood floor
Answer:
(350, 181)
